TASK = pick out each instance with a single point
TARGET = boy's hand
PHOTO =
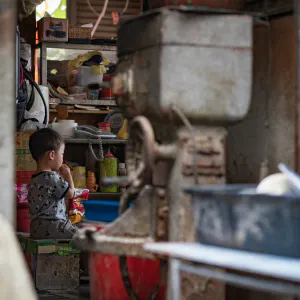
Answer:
(65, 172)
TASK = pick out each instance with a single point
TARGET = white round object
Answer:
(65, 122)
(66, 131)
(276, 184)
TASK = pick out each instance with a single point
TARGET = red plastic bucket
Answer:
(106, 280)
(23, 219)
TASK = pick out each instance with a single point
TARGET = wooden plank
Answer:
(106, 20)
(77, 46)
(97, 5)
(7, 116)
(84, 12)
(96, 141)
(91, 112)
(72, 12)
(105, 35)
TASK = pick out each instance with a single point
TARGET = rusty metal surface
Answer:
(90, 241)
(210, 160)
(200, 78)
(194, 287)
(145, 221)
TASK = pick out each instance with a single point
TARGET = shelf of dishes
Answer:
(71, 101)
(92, 112)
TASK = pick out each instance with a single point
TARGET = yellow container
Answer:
(79, 177)
(109, 168)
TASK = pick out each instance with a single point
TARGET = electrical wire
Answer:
(125, 8)
(97, 14)
(126, 278)
(34, 84)
(190, 128)
(100, 18)
(92, 8)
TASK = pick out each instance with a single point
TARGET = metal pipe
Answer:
(174, 284)
(241, 280)
(7, 106)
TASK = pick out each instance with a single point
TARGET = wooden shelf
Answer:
(105, 196)
(43, 46)
(62, 45)
(96, 141)
(91, 112)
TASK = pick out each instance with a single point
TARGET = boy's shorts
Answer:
(52, 229)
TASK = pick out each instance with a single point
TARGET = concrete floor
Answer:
(82, 293)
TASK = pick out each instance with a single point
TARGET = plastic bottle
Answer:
(109, 168)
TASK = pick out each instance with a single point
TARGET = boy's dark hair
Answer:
(44, 140)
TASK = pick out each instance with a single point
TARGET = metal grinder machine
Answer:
(182, 76)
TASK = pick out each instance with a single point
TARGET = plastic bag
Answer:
(27, 7)
(79, 60)
(76, 210)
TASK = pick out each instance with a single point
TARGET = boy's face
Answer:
(58, 158)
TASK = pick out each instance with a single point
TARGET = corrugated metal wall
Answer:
(106, 29)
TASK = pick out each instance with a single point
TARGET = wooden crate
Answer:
(76, 32)
(55, 272)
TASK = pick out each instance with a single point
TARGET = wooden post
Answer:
(72, 12)
(7, 107)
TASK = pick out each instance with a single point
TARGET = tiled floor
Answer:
(82, 293)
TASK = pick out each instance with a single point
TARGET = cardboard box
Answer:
(24, 160)
(53, 30)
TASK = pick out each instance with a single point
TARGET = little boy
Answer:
(50, 188)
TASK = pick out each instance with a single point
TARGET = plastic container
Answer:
(74, 90)
(64, 128)
(106, 93)
(106, 281)
(109, 168)
(24, 177)
(104, 126)
(85, 76)
(234, 216)
(23, 218)
(93, 94)
(101, 210)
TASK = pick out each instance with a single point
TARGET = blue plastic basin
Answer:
(101, 210)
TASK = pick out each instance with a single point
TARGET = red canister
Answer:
(106, 93)
(104, 126)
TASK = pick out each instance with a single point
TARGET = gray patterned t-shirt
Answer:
(46, 196)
